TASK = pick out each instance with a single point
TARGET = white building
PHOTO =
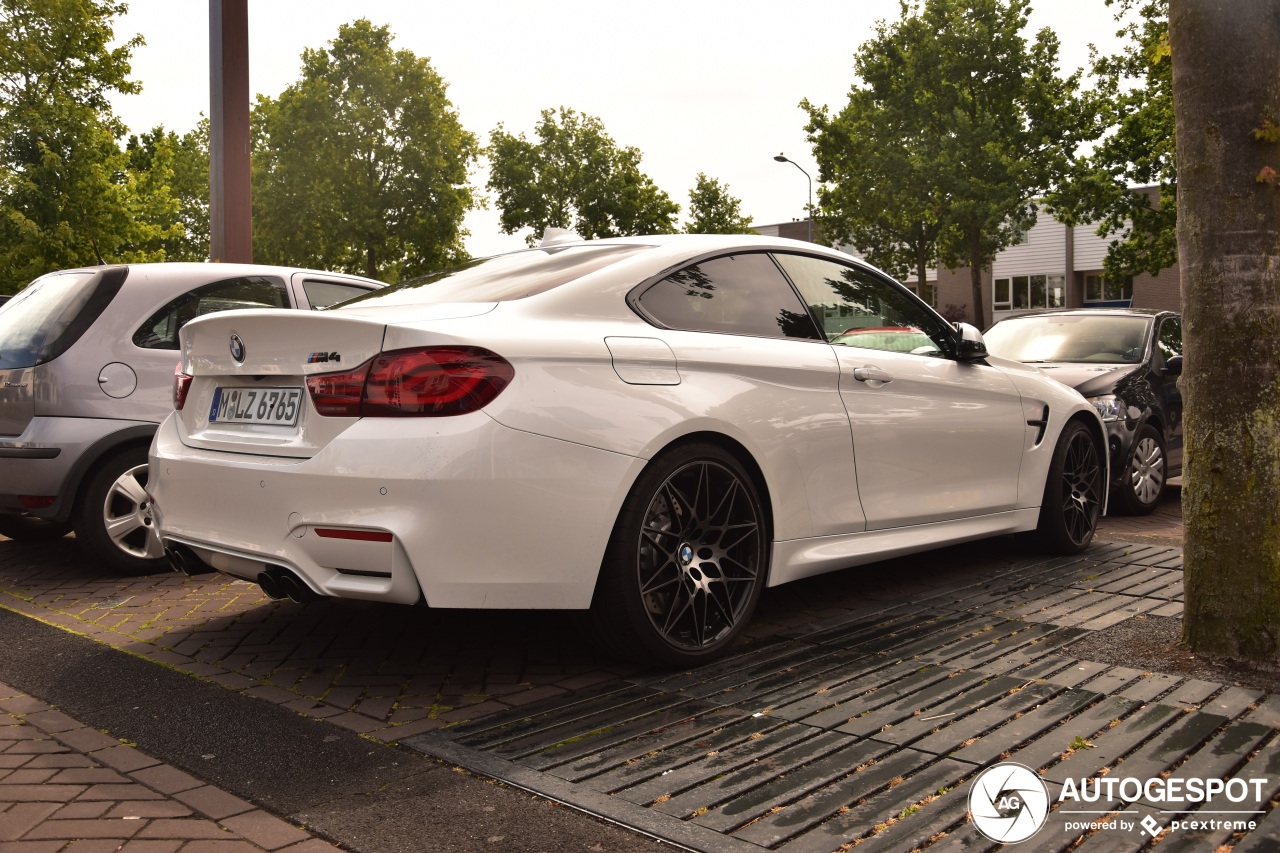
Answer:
(1054, 267)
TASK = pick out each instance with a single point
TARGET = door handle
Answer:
(871, 374)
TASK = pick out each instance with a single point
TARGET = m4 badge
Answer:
(323, 357)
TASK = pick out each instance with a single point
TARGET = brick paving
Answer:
(385, 671)
(64, 786)
(1162, 527)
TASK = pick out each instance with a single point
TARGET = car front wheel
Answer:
(114, 519)
(1073, 492)
(1144, 477)
(686, 562)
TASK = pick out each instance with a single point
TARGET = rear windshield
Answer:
(50, 314)
(160, 331)
(1072, 338)
(501, 278)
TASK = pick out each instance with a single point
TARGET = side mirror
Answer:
(1173, 366)
(971, 346)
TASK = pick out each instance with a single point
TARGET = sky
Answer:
(697, 85)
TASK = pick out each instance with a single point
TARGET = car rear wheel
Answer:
(686, 562)
(1144, 476)
(28, 528)
(114, 519)
(1073, 492)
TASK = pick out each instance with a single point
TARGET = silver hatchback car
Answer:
(87, 362)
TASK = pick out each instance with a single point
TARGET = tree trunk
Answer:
(975, 277)
(1225, 84)
(922, 268)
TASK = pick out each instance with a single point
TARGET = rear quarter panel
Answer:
(778, 399)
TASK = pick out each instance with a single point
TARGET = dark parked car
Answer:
(1126, 361)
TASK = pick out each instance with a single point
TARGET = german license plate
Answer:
(256, 406)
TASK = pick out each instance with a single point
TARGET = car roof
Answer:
(676, 248)
(185, 271)
(1122, 312)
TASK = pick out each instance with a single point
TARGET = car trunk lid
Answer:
(248, 392)
(250, 369)
(38, 325)
(17, 405)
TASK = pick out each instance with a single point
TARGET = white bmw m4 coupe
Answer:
(654, 428)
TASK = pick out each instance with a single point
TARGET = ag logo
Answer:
(1009, 802)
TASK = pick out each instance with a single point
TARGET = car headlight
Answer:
(1109, 406)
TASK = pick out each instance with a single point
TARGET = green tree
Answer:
(1227, 107)
(574, 176)
(958, 127)
(186, 158)
(713, 211)
(1133, 103)
(361, 165)
(878, 159)
(67, 195)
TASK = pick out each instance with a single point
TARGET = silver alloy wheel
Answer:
(700, 553)
(1146, 470)
(127, 516)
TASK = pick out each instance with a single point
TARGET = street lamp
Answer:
(782, 158)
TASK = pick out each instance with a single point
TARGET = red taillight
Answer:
(181, 385)
(338, 395)
(435, 381)
(428, 382)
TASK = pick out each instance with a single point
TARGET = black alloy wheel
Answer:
(687, 560)
(1073, 491)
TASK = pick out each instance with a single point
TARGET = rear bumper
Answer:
(478, 514)
(49, 458)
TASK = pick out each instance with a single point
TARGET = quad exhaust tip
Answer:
(184, 561)
(279, 583)
(270, 585)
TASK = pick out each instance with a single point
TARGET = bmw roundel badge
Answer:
(237, 349)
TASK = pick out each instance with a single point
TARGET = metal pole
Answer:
(782, 158)
(230, 202)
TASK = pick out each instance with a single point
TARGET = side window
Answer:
(160, 331)
(739, 294)
(858, 308)
(1170, 340)
(322, 294)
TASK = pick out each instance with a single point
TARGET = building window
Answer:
(1001, 295)
(1028, 292)
(1099, 288)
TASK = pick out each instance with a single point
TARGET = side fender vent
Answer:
(1042, 424)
